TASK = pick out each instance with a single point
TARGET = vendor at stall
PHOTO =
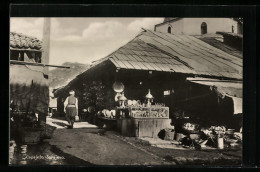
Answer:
(71, 108)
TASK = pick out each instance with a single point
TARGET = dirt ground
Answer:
(193, 157)
(96, 147)
(107, 149)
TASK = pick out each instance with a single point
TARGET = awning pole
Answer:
(36, 64)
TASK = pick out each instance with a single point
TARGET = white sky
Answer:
(83, 39)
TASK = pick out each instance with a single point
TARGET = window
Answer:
(203, 28)
(34, 57)
(169, 29)
(232, 29)
(16, 55)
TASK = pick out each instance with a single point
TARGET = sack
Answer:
(77, 118)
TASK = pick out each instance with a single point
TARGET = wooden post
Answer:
(46, 43)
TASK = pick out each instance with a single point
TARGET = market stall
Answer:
(142, 121)
(138, 119)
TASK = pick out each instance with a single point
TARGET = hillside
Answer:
(61, 76)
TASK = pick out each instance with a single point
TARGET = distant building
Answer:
(199, 26)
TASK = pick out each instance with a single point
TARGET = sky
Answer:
(83, 40)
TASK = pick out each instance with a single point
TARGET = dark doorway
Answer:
(169, 29)
(203, 28)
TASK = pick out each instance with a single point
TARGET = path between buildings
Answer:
(88, 143)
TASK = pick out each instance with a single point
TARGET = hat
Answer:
(71, 92)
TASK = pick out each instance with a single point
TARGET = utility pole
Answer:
(45, 55)
(46, 44)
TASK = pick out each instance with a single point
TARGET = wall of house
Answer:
(177, 27)
(192, 26)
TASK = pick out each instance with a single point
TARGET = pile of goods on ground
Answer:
(193, 136)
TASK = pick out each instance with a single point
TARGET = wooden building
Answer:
(29, 90)
(194, 79)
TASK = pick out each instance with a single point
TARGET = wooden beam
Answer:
(35, 64)
(31, 50)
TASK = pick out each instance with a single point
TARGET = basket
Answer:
(169, 135)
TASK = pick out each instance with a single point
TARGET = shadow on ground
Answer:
(60, 124)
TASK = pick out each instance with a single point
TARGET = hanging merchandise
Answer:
(117, 96)
(149, 98)
(149, 95)
(118, 86)
(237, 105)
(122, 100)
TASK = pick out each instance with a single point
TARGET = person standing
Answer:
(71, 108)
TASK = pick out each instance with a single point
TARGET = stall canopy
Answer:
(29, 89)
(232, 89)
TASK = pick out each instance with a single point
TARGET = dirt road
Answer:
(107, 149)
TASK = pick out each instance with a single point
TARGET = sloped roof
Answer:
(175, 53)
(165, 52)
(166, 19)
(230, 34)
(23, 42)
(230, 88)
(221, 45)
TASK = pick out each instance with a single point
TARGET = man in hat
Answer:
(71, 108)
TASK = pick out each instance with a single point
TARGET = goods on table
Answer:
(190, 127)
(105, 113)
(143, 112)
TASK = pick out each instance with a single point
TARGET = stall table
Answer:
(142, 121)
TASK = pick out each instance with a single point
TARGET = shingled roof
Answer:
(175, 53)
(165, 52)
(22, 42)
(214, 41)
